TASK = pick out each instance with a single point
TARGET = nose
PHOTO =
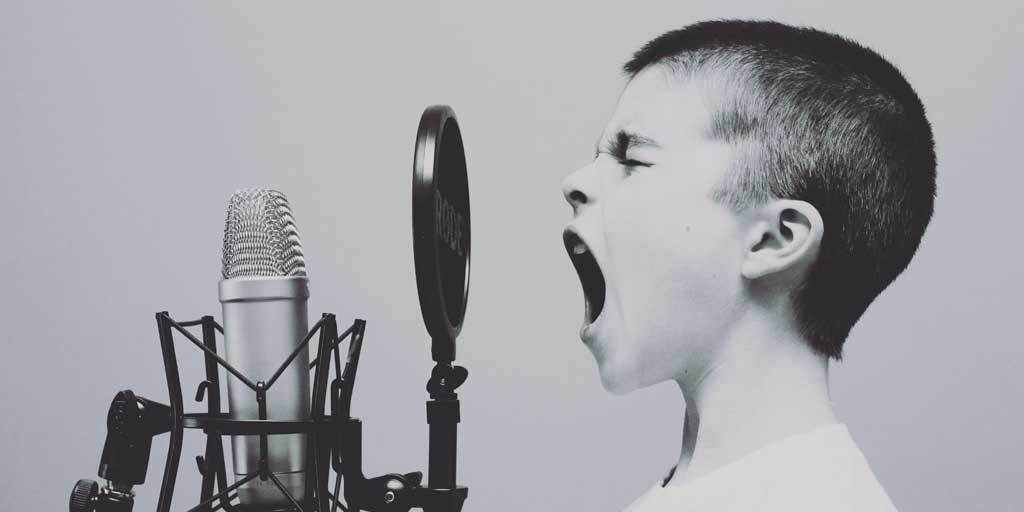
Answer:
(578, 188)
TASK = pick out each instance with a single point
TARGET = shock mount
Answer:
(333, 436)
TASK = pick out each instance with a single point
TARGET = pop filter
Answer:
(440, 221)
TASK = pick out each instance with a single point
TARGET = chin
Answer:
(623, 375)
(618, 379)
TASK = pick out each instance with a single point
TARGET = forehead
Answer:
(662, 106)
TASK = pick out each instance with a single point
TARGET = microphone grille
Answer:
(260, 238)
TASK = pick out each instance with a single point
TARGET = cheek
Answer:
(675, 276)
(666, 248)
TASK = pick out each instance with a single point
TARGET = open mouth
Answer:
(589, 271)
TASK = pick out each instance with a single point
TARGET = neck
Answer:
(755, 392)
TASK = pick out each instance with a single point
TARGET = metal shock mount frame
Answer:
(333, 438)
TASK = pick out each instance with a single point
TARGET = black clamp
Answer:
(445, 379)
(132, 422)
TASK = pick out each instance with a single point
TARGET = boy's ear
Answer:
(784, 234)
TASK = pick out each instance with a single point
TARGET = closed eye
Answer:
(633, 163)
(618, 146)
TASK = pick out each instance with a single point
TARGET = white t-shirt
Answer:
(821, 470)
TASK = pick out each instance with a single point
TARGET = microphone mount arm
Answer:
(132, 423)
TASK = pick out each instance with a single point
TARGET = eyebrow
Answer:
(622, 141)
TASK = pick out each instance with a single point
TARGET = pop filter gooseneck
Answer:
(441, 243)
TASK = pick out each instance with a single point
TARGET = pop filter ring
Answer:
(441, 227)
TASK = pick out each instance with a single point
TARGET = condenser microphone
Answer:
(263, 293)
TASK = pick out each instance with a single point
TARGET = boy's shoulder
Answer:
(818, 470)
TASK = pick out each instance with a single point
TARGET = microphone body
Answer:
(264, 319)
(263, 293)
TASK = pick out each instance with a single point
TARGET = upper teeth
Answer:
(579, 248)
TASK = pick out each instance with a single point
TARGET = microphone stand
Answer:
(443, 418)
(396, 492)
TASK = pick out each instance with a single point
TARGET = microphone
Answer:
(263, 294)
(284, 442)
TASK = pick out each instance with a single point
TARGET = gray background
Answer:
(125, 126)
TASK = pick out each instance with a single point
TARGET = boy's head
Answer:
(751, 169)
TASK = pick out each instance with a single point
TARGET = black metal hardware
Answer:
(334, 438)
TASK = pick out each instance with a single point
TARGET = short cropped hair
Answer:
(819, 118)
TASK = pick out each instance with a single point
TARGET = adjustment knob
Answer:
(83, 496)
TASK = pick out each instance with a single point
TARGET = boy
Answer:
(756, 188)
